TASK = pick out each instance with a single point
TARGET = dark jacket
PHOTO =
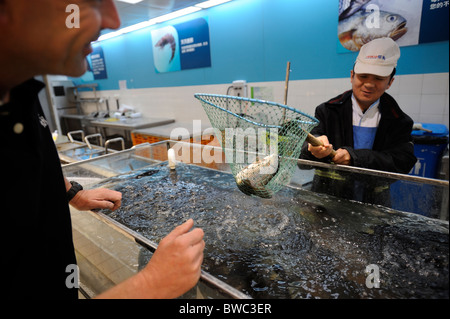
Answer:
(392, 150)
(36, 234)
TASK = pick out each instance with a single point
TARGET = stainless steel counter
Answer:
(128, 124)
(185, 131)
(131, 123)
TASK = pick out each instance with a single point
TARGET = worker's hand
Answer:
(342, 157)
(176, 265)
(321, 151)
(99, 198)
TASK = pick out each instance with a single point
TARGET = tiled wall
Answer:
(425, 97)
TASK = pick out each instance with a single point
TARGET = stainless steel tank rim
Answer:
(112, 154)
(406, 177)
(412, 178)
(373, 172)
(143, 241)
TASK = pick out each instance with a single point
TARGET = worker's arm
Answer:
(174, 268)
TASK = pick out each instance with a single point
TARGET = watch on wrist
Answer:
(73, 190)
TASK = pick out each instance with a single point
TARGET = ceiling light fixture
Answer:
(131, 1)
(175, 14)
(210, 3)
(166, 17)
(131, 28)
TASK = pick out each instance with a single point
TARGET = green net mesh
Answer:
(262, 140)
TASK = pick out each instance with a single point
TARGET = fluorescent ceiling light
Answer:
(166, 17)
(137, 26)
(131, 1)
(175, 14)
(210, 3)
(131, 28)
(148, 23)
(109, 35)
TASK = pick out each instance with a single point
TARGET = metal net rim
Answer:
(291, 124)
(201, 97)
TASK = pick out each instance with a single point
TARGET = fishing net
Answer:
(261, 140)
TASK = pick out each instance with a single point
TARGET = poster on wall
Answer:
(434, 24)
(182, 46)
(96, 66)
(408, 22)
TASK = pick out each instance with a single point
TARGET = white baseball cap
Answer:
(378, 57)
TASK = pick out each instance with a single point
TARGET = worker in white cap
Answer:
(365, 125)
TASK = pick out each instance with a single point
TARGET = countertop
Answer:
(131, 123)
(183, 129)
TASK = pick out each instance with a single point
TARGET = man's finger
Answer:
(181, 229)
(194, 237)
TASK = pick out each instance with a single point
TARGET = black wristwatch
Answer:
(73, 190)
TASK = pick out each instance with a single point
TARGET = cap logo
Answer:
(374, 57)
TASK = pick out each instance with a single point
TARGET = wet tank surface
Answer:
(298, 244)
(82, 153)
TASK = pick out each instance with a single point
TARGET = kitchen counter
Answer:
(131, 123)
(185, 130)
(194, 132)
(128, 124)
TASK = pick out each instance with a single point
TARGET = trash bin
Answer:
(428, 148)
(420, 198)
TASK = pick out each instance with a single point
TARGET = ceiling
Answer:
(134, 13)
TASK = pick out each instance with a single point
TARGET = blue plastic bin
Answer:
(428, 148)
(417, 198)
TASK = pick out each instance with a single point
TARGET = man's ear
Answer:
(390, 82)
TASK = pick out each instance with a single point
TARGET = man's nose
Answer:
(110, 16)
(369, 83)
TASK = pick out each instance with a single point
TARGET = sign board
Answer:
(182, 46)
(408, 22)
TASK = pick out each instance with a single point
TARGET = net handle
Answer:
(314, 141)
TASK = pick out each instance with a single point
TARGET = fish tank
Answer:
(309, 240)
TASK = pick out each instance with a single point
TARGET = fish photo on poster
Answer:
(166, 52)
(361, 21)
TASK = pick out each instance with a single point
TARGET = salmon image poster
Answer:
(182, 46)
(408, 22)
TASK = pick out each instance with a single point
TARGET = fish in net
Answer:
(262, 140)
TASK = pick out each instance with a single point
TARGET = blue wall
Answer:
(253, 40)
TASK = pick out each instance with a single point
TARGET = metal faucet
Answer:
(86, 139)
(114, 140)
(69, 135)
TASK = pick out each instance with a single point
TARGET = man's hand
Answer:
(342, 157)
(99, 198)
(321, 151)
(174, 268)
(176, 265)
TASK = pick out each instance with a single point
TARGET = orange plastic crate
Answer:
(160, 153)
(143, 138)
(138, 138)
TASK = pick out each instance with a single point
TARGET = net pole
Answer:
(286, 86)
